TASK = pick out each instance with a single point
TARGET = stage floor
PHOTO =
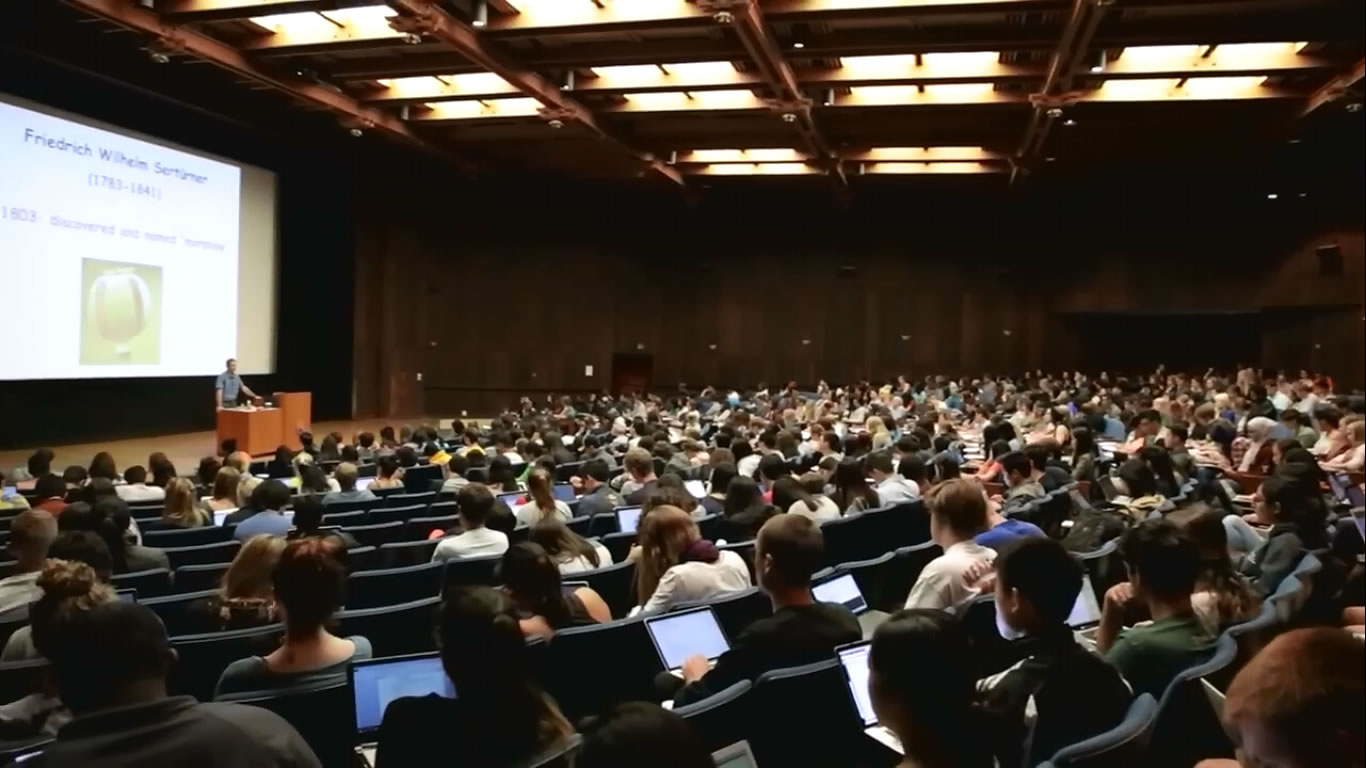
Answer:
(184, 450)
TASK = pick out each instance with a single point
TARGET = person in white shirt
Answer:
(676, 565)
(31, 533)
(571, 552)
(506, 445)
(135, 487)
(543, 503)
(476, 506)
(805, 497)
(958, 512)
(891, 488)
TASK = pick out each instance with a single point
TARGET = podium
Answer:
(256, 432)
(297, 410)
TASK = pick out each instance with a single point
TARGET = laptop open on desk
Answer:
(1085, 616)
(680, 635)
(843, 589)
(628, 518)
(737, 755)
(854, 661)
(377, 682)
(564, 492)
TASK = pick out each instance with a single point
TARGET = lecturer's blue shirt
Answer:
(231, 384)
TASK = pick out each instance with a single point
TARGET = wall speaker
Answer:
(1330, 260)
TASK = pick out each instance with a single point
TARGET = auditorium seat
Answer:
(1251, 636)
(472, 571)
(909, 524)
(369, 589)
(1123, 746)
(722, 718)
(519, 534)
(171, 609)
(581, 525)
(905, 568)
(221, 552)
(418, 480)
(807, 717)
(587, 669)
(399, 514)
(991, 653)
(614, 583)
(18, 751)
(872, 577)
(156, 581)
(385, 493)
(351, 505)
(376, 535)
(194, 578)
(735, 611)
(440, 509)
(422, 499)
(7, 568)
(364, 559)
(419, 528)
(1187, 730)
(186, 537)
(397, 554)
(568, 470)
(342, 519)
(202, 658)
(604, 524)
(618, 544)
(318, 715)
(745, 549)
(1105, 567)
(709, 526)
(21, 678)
(367, 469)
(394, 630)
(854, 537)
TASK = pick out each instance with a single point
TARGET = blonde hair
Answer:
(875, 425)
(250, 572)
(664, 535)
(225, 483)
(181, 503)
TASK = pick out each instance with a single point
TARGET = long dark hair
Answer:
(558, 540)
(1084, 442)
(787, 491)
(850, 485)
(533, 581)
(500, 474)
(742, 494)
(163, 471)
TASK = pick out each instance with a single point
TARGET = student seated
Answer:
(801, 631)
(891, 487)
(958, 513)
(1281, 503)
(265, 513)
(1163, 565)
(500, 716)
(31, 534)
(922, 691)
(346, 474)
(1022, 485)
(676, 565)
(308, 583)
(1222, 597)
(112, 521)
(571, 552)
(639, 733)
(476, 505)
(541, 503)
(246, 596)
(1002, 530)
(1059, 691)
(110, 664)
(531, 579)
(1298, 703)
(74, 578)
(308, 521)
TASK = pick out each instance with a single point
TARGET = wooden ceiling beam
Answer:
(1073, 38)
(1334, 89)
(203, 11)
(428, 18)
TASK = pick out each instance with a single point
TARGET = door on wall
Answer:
(632, 372)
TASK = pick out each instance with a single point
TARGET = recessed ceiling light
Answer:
(799, 45)
(1304, 194)
(1069, 122)
(1049, 159)
(1272, 196)
(1295, 141)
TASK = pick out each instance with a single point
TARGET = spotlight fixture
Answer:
(1069, 122)
(724, 17)
(159, 57)
(1303, 195)
(412, 38)
(1054, 112)
(356, 133)
(1354, 107)
(556, 123)
(1049, 159)
(1272, 196)
(1295, 141)
(789, 117)
(799, 45)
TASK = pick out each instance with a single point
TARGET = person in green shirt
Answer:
(1163, 564)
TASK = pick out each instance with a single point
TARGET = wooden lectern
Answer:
(257, 432)
(297, 408)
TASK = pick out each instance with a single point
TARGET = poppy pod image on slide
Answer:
(120, 313)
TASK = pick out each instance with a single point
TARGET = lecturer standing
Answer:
(229, 390)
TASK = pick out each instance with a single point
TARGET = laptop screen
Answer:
(220, 515)
(379, 682)
(363, 483)
(627, 519)
(678, 636)
(127, 595)
(564, 492)
(513, 500)
(854, 659)
(841, 589)
(696, 488)
(1085, 611)
(737, 755)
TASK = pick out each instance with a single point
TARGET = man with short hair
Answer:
(110, 665)
(31, 533)
(1059, 693)
(1049, 477)
(1182, 461)
(135, 487)
(346, 475)
(505, 443)
(788, 549)
(456, 467)
(891, 487)
(273, 497)
(50, 494)
(228, 389)
(772, 468)
(640, 467)
(476, 506)
(39, 464)
(1294, 422)
(958, 513)
(1022, 488)
(1163, 565)
(598, 497)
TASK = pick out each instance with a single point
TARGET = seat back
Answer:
(1123, 746)
(991, 652)
(316, 715)
(376, 535)
(588, 669)
(619, 545)
(171, 609)
(21, 678)
(745, 549)
(156, 581)
(472, 571)
(614, 584)
(581, 525)
(350, 505)
(901, 573)
(419, 528)
(195, 578)
(871, 576)
(908, 524)
(722, 718)
(1105, 567)
(354, 517)
(202, 554)
(186, 537)
(811, 699)
(397, 554)
(709, 526)
(368, 589)
(1186, 730)
(419, 479)
(394, 630)
(853, 537)
(734, 611)
(202, 658)
(364, 559)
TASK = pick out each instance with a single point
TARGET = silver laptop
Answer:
(377, 682)
(1086, 610)
(684, 634)
(854, 660)
(843, 589)
(737, 755)
(363, 483)
(628, 518)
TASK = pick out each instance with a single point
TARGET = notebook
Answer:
(377, 682)
(737, 755)
(684, 634)
(843, 589)
(628, 518)
(854, 661)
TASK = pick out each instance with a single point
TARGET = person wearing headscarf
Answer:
(1254, 453)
